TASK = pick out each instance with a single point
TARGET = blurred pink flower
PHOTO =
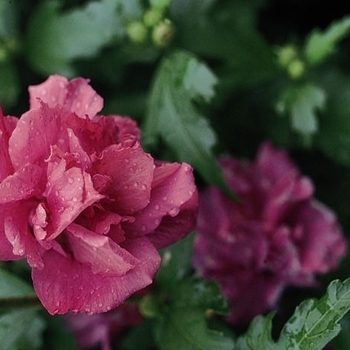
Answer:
(101, 329)
(277, 236)
(82, 201)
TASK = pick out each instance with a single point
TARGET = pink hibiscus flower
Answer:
(278, 235)
(82, 201)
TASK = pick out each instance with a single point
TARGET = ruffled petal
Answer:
(68, 193)
(35, 133)
(130, 171)
(65, 284)
(77, 95)
(100, 252)
(22, 184)
(172, 187)
(19, 235)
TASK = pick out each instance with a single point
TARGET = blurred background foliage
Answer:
(234, 73)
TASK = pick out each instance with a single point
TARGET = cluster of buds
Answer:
(154, 25)
(288, 58)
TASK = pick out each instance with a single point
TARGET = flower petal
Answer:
(100, 252)
(23, 183)
(64, 284)
(68, 193)
(172, 186)
(131, 172)
(77, 95)
(35, 133)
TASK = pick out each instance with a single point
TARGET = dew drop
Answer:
(100, 305)
(156, 207)
(144, 187)
(174, 211)
(75, 199)
(70, 180)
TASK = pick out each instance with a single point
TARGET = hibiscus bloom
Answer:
(83, 202)
(278, 235)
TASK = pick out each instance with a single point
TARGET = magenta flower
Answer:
(82, 201)
(101, 329)
(277, 236)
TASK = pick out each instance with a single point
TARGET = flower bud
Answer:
(137, 32)
(163, 33)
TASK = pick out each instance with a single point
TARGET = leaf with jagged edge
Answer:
(172, 115)
(312, 326)
(320, 44)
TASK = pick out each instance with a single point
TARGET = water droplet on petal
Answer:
(174, 211)
(70, 180)
(156, 207)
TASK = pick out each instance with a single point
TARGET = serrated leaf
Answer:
(199, 81)
(301, 102)
(55, 38)
(258, 335)
(187, 329)
(173, 116)
(320, 44)
(313, 324)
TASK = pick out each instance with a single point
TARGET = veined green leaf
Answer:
(313, 324)
(173, 116)
(319, 45)
(186, 329)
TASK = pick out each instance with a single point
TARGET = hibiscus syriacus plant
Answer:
(174, 175)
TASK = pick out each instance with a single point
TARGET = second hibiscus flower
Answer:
(276, 236)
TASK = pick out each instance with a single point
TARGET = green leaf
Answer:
(187, 329)
(200, 294)
(9, 84)
(173, 116)
(21, 330)
(176, 262)
(319, 45)
(230, 36)
(333, 137)
(12, 286)
(313, 325)
(58, 336)
(8, 19)
(55, 38)
(301, 102)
